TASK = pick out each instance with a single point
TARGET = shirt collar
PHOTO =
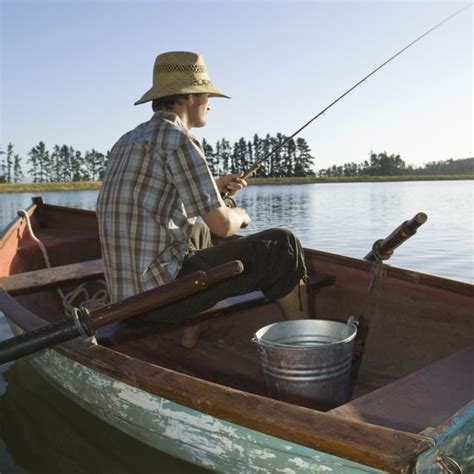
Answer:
(170, 116)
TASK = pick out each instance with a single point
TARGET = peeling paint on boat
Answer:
(454, 448)
(302, 464)
(181, 431)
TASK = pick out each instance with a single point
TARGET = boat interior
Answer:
(413, 356)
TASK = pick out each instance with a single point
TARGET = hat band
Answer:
(201, 83)
(194, 68)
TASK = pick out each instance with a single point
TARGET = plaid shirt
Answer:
(157, 181)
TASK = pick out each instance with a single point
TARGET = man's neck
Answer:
(182, 113)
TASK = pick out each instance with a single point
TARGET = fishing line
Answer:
(260, 162)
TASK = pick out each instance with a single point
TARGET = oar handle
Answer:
(163, 295)
(41, 338)
(83, 325)
(382, 249)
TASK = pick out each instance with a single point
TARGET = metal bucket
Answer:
(308, 361)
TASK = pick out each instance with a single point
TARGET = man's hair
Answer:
(168, 102)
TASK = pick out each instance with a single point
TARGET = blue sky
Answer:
(71, 70)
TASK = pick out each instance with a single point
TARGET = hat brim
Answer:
(158, 92)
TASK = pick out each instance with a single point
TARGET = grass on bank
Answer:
(88, 185)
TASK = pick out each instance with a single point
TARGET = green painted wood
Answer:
(183, 432)
(453, 451)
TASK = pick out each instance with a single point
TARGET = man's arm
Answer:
(225, 221)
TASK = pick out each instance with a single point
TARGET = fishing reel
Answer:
(228, 201)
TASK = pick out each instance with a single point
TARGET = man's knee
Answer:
(284, 237)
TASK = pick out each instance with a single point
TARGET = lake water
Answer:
(41, 431)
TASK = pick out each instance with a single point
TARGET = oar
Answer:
(382, 249)
(85, 324)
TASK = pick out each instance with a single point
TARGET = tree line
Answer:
(61, 164)
(293, 159)
(383, 164)
(65, 164)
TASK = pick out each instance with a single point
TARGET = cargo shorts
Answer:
(273, 263)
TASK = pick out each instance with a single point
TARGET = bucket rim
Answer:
(351, 337)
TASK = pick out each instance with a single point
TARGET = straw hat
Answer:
(180, 72)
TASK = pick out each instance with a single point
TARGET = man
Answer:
(157, 183)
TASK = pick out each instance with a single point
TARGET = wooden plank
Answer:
(422, 399)
(50, 276)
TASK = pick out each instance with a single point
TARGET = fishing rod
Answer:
(225, 195)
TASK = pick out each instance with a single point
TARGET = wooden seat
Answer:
(37, 279)
(49, 277)
(423, 399)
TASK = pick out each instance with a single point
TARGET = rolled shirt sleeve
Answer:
(193, 179)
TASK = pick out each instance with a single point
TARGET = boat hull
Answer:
(180, 431)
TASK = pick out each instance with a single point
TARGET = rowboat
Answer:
(411, 408)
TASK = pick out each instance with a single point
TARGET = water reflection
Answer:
(44, 432)
(347, 218)
(10, 203)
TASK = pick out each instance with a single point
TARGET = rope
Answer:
(90, 302)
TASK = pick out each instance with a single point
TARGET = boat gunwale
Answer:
(403, 274)
(397, 273)
(15, 224)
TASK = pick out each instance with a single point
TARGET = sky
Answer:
(71, 71)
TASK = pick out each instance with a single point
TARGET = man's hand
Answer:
(231, 183)
(244, 216)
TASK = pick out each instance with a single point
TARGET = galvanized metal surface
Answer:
(308, 362)
(180, 431)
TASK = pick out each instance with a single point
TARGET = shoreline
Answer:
(92, 185)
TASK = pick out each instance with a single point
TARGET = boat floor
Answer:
(224, 353)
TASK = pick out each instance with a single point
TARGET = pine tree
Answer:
(266, 149)
(94, 164)
(240, 156)
(226, 154)
(9, 159)
(289, 158)
(44, 163)
(210, 157)
(17, 171)
(304, 160)
(258, 154)
(77, 171)
(33, 160)
(2, 168)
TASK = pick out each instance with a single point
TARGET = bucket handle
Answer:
(351, 324)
